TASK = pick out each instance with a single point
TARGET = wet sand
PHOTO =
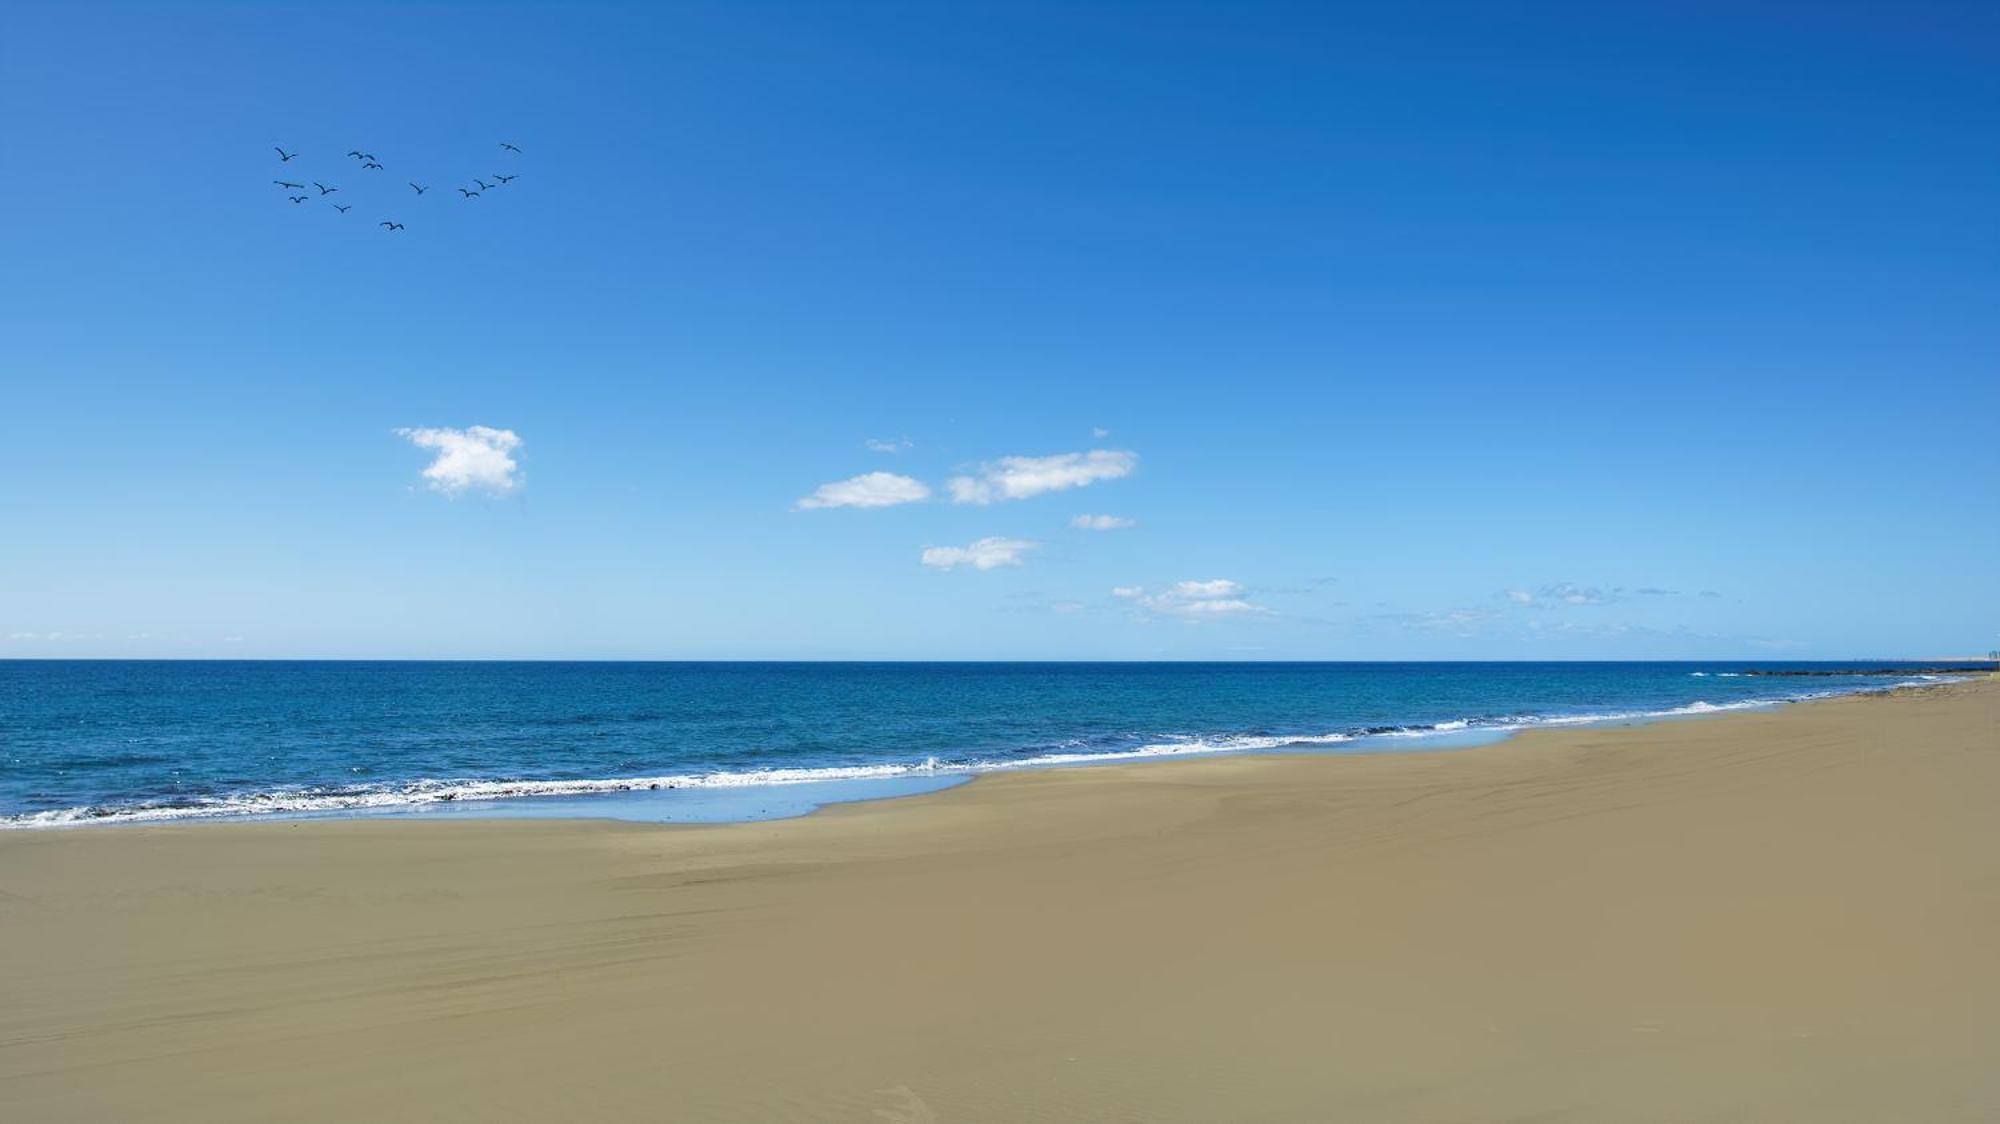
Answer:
(1786, 915)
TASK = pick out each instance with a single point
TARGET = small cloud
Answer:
(870, 489)
(24, 636)
(1570, 593)
(1709, 593)
(1655, 591)
(1216, 605)
(1219, 587)
(1101, 523)
(1099, 432)
(477, 458)
(1194, 600)
(1458, 622)
(886, 445)
(985, 554)
(1520, 597)
(1018, 478)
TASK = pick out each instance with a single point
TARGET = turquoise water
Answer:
(135, 741)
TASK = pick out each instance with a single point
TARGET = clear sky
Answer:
(1392, 331)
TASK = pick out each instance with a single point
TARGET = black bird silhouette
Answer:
(358, 155)
(323, 189)
(300, 198)
(287, 183)
(483, 185)
(468, 194)
(504, 179)
(508, 147)
(283, 156)
(343, 210)
(420, 190)
(354, 153)
(391, 225)
(371, 164)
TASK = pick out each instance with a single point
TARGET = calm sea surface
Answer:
(114, 741)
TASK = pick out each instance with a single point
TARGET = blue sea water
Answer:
(130, 741)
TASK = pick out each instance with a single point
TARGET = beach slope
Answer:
(1766, 916)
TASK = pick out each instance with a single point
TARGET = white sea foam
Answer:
(416, 794)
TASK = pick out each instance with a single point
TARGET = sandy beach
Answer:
(1784, 915)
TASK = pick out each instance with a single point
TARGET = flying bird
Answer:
(300, 198)
(354, 153)
(420, 190)
(508, 147)
(390, 225)
(371, 164)
(343, 210)
(468, 194)
(483, 185)
(283, 156)
(287, 184)
(504, 179)
(323, 189)
(359, 155)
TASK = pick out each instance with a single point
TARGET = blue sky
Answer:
(1399, 331)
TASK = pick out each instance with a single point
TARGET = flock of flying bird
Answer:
(370, 164)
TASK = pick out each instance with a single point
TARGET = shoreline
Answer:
(781, 792)
(1782, 914)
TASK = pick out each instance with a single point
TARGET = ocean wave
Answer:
(420, 793)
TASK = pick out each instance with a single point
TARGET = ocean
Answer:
(146, 741)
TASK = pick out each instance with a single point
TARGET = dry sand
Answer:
(1790, 915)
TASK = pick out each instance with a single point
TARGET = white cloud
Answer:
(1196, 600)
(477, 458)
(1570, 593)
(1219, 587)
(870, 489)
(1458, 622)
(886, 445)
(1210, 606)
(1101, 523)
(1017, 478)
(986, 554)
(1099, 432)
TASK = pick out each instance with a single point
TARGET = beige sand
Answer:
(1791, 915)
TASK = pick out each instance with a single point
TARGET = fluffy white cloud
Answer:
(870, 489)
(1216, 605)
(1194, 600)
(886, 444)
(1017, 478)
(1099, 432)
(1219, 587)
(477, 458)
(1520, 597)
(1101, 522)
(985, 554)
